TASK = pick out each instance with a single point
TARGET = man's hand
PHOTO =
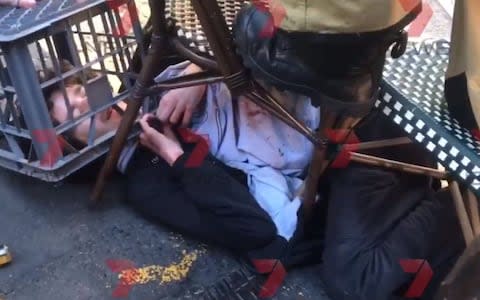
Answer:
(178, 105)
(164, 144)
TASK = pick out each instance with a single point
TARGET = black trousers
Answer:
(210, 203)
(376, 218)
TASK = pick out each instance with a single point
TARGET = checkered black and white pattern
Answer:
(413, 99)
(412, 94)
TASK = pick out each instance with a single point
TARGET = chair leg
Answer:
(461, 212)
(462, 265)
(470, 251)
(397, 165)
(153, 63)
(473, 211)
(231, 67)
(221, 42)
(341, 125)
(263, 98)
(381, 143)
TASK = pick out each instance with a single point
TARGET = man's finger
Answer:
(145, 117)
(168, 132)
(147, 129)
(143, 123)
(187, 116)
(143, 139)
(148, 116)
(165, 108)
(151, 137)
(175, 117)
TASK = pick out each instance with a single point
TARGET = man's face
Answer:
(78, 101)
(105, 121)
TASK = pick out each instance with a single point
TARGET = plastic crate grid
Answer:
(91, 42)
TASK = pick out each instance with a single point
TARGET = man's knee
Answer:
(335, 276)
(259, 234)
(353, 272)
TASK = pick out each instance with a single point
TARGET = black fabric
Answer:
(206, 202)
(212, 203)
(375, 218)
(302, 249)
(458, 100)
(380, 219)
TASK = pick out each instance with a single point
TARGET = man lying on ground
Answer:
(242, 195)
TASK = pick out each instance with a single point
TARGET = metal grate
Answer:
(413, 98)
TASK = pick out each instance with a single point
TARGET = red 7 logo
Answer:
(416, 28)
(476, 134)
(201, 149)
(277, 272)
(127, 18)
(423, 274)
(408, 5)
(124, 287)
(341, 136)
(278, 13)
(55, 145)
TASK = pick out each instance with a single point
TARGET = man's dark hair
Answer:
(48, 74)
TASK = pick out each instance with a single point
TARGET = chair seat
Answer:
(412, 95)
(413, 98)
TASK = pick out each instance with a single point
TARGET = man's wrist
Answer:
(174, 156)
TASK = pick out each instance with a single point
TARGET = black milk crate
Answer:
(93, 36)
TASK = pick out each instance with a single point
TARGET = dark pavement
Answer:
(60, 249)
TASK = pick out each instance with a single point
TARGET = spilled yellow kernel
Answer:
(164, 274)
(178, 271)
